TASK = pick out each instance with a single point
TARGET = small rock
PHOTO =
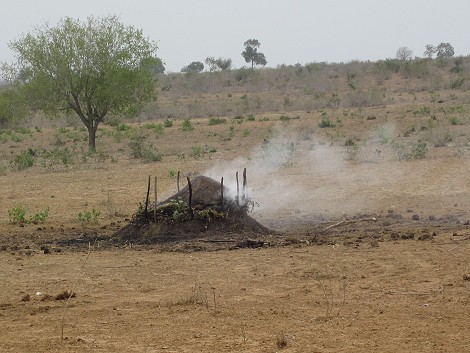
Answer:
(394, 235)
(432, 218)
(374, 244)
(466, 277)
(47, 251)
(26, 298)
(467, 223)
(424, 237)
(415, 217)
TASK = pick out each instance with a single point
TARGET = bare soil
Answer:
(365, 253)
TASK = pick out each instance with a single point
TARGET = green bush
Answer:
(18, 216)
(89, 216)
(168, 123)
(186, 125)
(157, 128)
(217, 121)
(418, 150)
(325, 122)
(25, 159)
(146, 152)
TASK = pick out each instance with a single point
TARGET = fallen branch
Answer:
(216, 241)
(344, 221)
(391, 292)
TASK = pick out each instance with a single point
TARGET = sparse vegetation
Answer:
(89, 217)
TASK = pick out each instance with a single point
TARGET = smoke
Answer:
(297, 175)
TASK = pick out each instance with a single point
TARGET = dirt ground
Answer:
(368, 253)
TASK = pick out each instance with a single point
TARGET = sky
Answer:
(290, 32)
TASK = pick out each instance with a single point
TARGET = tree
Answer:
(404, 53)
(158, 67)
(444, 50)
(430, 51)
(195, 66)
(251, 53)
(95, 68)
(218, 64)
(12, 106)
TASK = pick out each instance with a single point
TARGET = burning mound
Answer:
(204, 209)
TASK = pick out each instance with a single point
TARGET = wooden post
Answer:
(190, 200)
(147, 199)
(178, 181)
(245, 196)
(238, 190)
(222, 191)
(155, 199)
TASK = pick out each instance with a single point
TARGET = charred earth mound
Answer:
(203, 211)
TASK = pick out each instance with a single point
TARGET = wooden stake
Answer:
(178, 181)
(222, 191)
(190, 200)
(238, 190)
(147, 199)
(245, 196)
(155, 199)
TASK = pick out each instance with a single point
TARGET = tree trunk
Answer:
(92, 136)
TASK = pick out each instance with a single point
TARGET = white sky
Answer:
(290, 31)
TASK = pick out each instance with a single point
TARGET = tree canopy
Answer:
(195, 66)
(251, 54)
(95, 68)
(218, 64)
(442, 51)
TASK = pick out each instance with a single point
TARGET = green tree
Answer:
(12, 106)
(218, 64)
(444, 50)
(95, 68)
(158, 67)
(195, 66)
(251, 53)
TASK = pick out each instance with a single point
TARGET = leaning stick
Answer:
(245, 196)
(222, 190)
(238, 190)
(190, 200)
(155, 199)
(178, 181)
(147, 199)
(350, 221)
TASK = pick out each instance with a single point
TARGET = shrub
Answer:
(168, 123)
(415, 151)
(89, 216)
(325, 122)
(123, 127)
(197, 151)
(186, 125)
(18, 216)
(157, 128)
(146, 152)
(25, 159)
(217, 121)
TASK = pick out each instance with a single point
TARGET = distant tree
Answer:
(251, 53)
(195, 66)
(444, 50)
(12, 106)
(430, 51)
(218, 64)
(95, 68)
(404, 53)
(158, 67)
